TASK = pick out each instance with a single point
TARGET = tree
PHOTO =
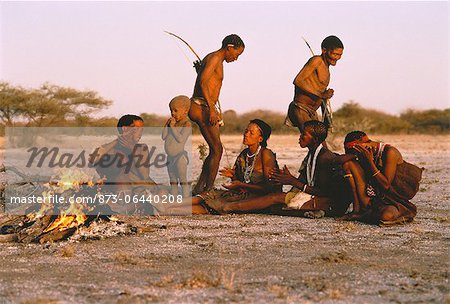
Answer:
(47, 105)
(12, 103)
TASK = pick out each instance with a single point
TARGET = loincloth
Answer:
(295, 200)
(311, 114)
(200, 101)
(203, 103)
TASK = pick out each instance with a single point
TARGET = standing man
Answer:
(203, 105)
(311, 84)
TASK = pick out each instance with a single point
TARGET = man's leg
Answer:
(187, 206)
(187, 210)
(200, 115)
(256, 203)
(297, 116)
(211, 164)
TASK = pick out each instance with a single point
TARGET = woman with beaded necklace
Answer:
(249, 175)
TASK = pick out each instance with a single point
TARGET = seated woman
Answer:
(314, 192)
(249, 175)
(382, 183)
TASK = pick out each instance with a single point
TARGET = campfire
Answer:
(60, 216)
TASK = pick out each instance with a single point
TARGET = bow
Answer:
(326, 104)
(197, 66)
(190, 47)
(312, 52)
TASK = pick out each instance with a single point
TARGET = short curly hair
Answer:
(127, 120)
(233, 40)
(318, 130)
(331, 43)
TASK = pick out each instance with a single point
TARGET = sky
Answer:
(396, 54)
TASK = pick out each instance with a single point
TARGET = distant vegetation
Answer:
(51, 105)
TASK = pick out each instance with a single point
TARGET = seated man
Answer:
(312, 192)
(124, 163)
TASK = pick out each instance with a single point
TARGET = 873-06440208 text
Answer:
(139, 198)
(120, 198)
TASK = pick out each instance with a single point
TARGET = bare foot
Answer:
(217, 205)
(315, 214)
(350, 217)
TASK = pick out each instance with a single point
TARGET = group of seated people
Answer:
(370, 182)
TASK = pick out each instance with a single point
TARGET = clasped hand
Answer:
(213, 117)
(365, 153)
(328, 94)
(282, 176)
(127, 138)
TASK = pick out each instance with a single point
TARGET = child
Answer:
(175, 133)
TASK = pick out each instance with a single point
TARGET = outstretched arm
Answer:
(285, 177)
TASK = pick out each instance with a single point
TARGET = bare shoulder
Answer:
(393, 154)
(212, 59)
(315, 61)
(267, 154)
(326, 158)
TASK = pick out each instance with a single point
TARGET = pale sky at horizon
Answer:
(396, 54)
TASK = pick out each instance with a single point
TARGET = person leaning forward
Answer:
(310, 84)
(203, 105)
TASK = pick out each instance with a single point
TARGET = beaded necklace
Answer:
(249, 167)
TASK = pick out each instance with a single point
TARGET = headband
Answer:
(351, 144)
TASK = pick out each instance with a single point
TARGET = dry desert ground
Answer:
(253, 258)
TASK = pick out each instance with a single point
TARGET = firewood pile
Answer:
(50, 222)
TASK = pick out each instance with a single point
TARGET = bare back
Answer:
(311, 82)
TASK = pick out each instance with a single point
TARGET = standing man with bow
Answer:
(310, 85)
(204, 103)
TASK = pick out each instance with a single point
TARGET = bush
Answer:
(429, 121)
(351, 116)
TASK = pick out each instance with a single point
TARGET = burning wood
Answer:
(52, 222)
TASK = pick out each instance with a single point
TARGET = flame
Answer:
(73, 179)
(45, 207)
(73, 216)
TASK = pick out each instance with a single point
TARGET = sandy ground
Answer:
(253, 258)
